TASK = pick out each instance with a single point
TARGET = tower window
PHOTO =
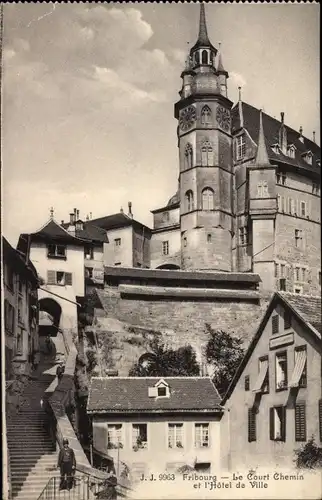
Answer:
(315, 188)
(303, 209)
(188, 152)
(208, 238)
(281, 178)
(204, 57)
(165, 248)
(243, 235)
(298, 238)
(207, 154)
(262, 189)
(205, 115)
(241, 147)
(207, 199)
(189, 201)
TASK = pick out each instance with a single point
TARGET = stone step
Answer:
(17, 462)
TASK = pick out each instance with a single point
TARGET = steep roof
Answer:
(17, 260)
(271, 126)
(307, 310)
(116, 221)
(203, 39)
(50, 232)
(130, 394)
(89, 232)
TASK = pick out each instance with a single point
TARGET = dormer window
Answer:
(291, 151)
(308, 157)
(276, 148)
(240, 147)
(79, 225)
(160, 390)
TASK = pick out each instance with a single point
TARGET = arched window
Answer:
(207, 199)
(207, 155)
(205, 115)
(197, 59)
(204, 57)
(189, 203)
(188, 156)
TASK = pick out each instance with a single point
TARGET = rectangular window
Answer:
(117, 263)
(20, 310)
(276, 270)
(296, 274)
(277, 423)
(279, 205)
(283, 178)
(282, 285)
(300, 421)
(315, 188)
(299, 375)
(303, 212)
(275, 327)
(89, 272)
(114, 436)
(303, 274)
(298, 234)
(89, 252)
(9, 315)
(282, 270)
(59, 278)
(201, 435)
(278, 178)
(287, 320)
(262, 189)
(241, 147)
(139, 436)
(262, 382)
(117, 242)
(165, 248)
(56, 251)
(298, 289)
(281, 371)
(247, 383)
(175, 435)
(243, 235)
(251, 425)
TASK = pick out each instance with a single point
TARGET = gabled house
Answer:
(156, 424)
(273, 404)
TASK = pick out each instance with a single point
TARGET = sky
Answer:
(88, 92)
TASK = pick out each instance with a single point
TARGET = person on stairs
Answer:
(60, 370)
(67, 465)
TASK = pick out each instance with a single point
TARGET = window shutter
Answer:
(51, 277)
(300, 422)
(275, 323)
(320, 418)
(251, 425)
(271, 423)
(283, 426)
(68, 279)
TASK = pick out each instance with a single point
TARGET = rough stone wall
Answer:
(132, 323)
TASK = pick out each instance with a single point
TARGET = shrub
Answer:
(309, 455)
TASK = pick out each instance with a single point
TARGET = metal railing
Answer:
(84, 487)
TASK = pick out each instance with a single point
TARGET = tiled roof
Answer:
(17, 260)
(271, 131)
(51, 231)
(116, 221)
(308, 307)
(89, 232)
(130, 394)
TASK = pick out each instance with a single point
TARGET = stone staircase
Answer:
(33, 457)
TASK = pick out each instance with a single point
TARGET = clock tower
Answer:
(205, 157)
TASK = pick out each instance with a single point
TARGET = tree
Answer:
(224, 352)
(164, 362)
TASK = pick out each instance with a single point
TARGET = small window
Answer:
(189, 201)
(139, 436)
(275, 270)
(208, 238)
(277, 423)
(117, 242)
(282, 270)
(298, 289)
(188, 156)
(246, 383)
(89, 252)
(60, 278)
(19, 342)
(281, 371)
(114, 436)
(251, 425)
(262, 189)
(240, 147)
(56, 251)
(299, 353)
(291, 152)
(165, 248)
(162, 391)
(297, 274)
(201, 435)
(204, 57)
(205, 115)
(303, 209)
(264, 362)
(298, 235)
(287, 320)
(243, 236)
(275, 327)
(303, 274)
(282, 285)
(207, 155)
(117, 263)
(175, 435)
(207, 199)
(185, 242)
(300, 421)
(315, 188)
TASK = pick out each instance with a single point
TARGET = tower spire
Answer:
(203, 35)
(261, 156)
(220, 68)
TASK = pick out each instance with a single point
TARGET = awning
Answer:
(261, 376)
(298, 368)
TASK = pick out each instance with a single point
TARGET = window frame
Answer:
(202, 440)
(165, 247)
(89, 250)
(240, 147)
(300, 421)
(265, 386)
(282, 385)
(117, 242)
(147, 436)
(207, 199)
(303, 379)
(175, 439)
(120, 441)
(55, 254)
(275, 324)
(272, 430)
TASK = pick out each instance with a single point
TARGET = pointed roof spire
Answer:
(220, 68)
(51, 212)
(261, 156)
(203, 39)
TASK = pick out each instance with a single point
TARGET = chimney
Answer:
(130, 210)
(72, 218)
(282, 117)
(77, 214)
(282, 135)
(62, 222)
(121, 210)
(313, 136)
(301, 138)
(90, 216)
(87, 218)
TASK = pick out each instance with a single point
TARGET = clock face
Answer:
(187, 118)
(223, 118)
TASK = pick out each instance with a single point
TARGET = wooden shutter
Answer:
(247, 383)
(68, 279)
(300, 422)
(283, 426)
(251, 425)
(51, 277)
(275, 323)
(271, 424)
(320, 418)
